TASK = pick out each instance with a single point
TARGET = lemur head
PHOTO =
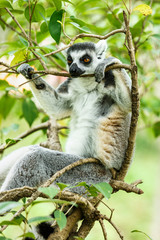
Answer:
(83, 58)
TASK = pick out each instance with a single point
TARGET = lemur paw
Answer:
(100, 69)
(26, 70)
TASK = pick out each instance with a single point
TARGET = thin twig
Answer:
(29, 40)
(103, 229)
(29, 132)
(126, 7)
(83, 35)
(117, 18)
(63, 25)
(55, 73)
(113, 225)
(25, 134)
(35, 43)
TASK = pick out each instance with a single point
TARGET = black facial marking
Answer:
(84, 58)
(41, 86)
(69, 60)
(45, 229)
(109, 79)
(75, 71)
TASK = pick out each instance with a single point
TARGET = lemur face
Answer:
(83, 58)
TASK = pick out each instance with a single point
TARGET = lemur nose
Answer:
(75, 71)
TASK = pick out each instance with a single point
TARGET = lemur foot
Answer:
(26, 70)
(100, 69)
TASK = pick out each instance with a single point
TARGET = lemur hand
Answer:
(26, 70)
(100, 70)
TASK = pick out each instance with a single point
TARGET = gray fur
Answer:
(43, 163)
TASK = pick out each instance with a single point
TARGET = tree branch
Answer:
(115, 66)
(29, 40)
(18, 193)
(113, 225)
(135, 103)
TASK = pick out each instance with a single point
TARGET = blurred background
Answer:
(19, 112)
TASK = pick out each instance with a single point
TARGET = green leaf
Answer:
(81, 184)
(60, 219)
(5, 3)
(44, 27)
(156, 129)
(50, 191)
(156, 36)
(27, 235)
(6, 103)
(62, 186)
(13, 222)
(93, 191)
(104, 188)
(30, 111)
(10, 141)
(78, 23)
(4, 238)
(3, 85)
(68, 2)
(55, 26)
(40, 219)
(58, 4)
(19, 56)
(84, 29)
(44, 59)
(6, 206)
(24, 41)
(37, 14)
(137, 231)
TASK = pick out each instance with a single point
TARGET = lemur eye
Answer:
(86, 60)
(69, 60)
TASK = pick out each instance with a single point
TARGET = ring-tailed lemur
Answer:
(100, 111)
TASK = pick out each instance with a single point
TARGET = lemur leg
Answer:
(52, 102)
(35, 167)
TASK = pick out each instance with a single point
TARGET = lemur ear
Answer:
(64, 52)
(101, 47)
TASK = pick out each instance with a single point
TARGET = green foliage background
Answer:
(18, 112)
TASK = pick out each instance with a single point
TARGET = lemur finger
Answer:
(26, 70)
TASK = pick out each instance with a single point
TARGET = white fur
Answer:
(101, 48)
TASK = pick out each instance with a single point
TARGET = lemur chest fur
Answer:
(88, 106)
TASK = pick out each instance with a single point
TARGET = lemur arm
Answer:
(56, 103)
(121, 92)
